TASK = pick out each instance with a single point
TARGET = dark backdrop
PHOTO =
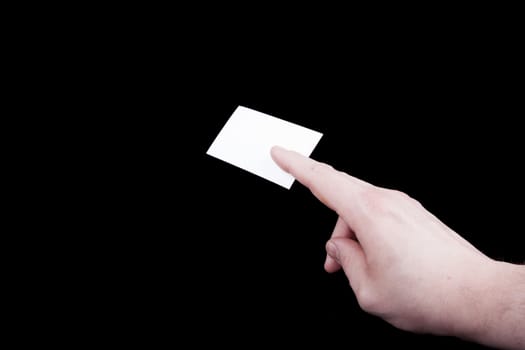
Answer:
(202, 251)
(247, 255)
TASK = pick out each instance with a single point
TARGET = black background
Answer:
(259, 249)
(187, 247)
(249, 254)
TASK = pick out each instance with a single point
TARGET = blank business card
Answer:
(248, 136)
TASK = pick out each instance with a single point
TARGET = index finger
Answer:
(333, 188)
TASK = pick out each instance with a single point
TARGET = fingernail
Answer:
(277, 148)
(332, 251)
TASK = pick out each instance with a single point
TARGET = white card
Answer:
(248, 136)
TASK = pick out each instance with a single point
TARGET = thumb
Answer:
(350, 255)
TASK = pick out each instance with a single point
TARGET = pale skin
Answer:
(407, 267)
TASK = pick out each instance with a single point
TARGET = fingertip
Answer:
(350, 256)
(330, 265)
(276, 151)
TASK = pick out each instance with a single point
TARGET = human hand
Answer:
(403, 264)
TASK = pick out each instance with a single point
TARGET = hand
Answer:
(403, 264)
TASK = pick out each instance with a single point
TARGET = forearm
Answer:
(502, 313)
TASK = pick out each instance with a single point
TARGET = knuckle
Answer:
(402, 196)
(384, 201)
(374, 199)
(368, 300)
(396, 194)
(318, 171)
(319, 167)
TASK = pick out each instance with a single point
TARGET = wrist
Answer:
(497, 307)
